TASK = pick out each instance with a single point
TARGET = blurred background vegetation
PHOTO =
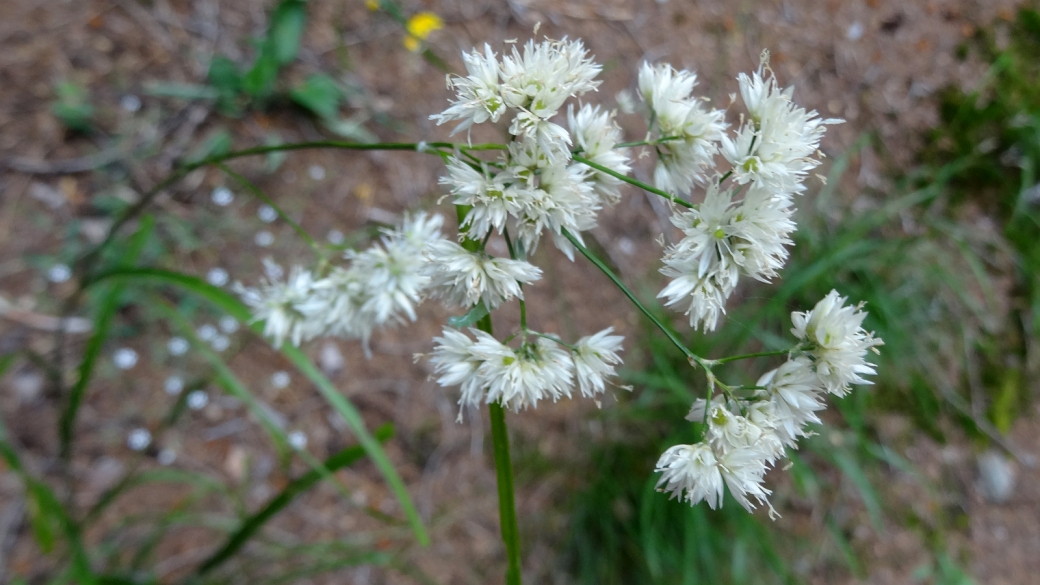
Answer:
(942, 248)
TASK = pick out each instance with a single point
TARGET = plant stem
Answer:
(748, 356)
(504, 474)
(692, 357)
(631, 181)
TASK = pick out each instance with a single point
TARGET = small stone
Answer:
(263, 238)
(124, 358)
(996, 477)
(173, 385)
(222, 196)
(139, 439)
(177, 346)
(267, 214)
(59, 273)
(130, 103)
(198, 400)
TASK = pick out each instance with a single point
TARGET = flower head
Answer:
(464, 278)
(691, 472)
(282, 305)
(833, 337)
(594, 359)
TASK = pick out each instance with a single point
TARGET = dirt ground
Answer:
(874, 62)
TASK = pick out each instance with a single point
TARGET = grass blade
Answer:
(344, 458)
(234, 307)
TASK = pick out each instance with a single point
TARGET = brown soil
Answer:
(875, 63)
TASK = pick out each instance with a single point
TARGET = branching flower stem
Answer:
(631, 181)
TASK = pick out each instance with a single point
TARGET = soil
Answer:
(875, 63)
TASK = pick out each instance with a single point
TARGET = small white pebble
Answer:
(124, 358)
(173, 385)
(217, 276)
(207, 332)
(336, 237)
(280, 379)
(177, 346)
(198, 400)
(263, 238)
(138, 439)
(220, 343)
(166, 457)
(228, 324)
(267, 214)
(222, 196)
(59, 273)
(317, 172)
(130, 103)
(855, 31)
(298, 440)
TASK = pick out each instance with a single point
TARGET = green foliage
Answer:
(72, 106)
(320, 94)
(992, 137)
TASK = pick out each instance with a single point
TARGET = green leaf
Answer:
(217, 142)
(102, 324)
(234, 307)
(251, 525)
(352, 128)
(184, 91)
(320, 94)
(259, 80)
(72, 106)
(287, 24)
(224, 75)
(475, 314)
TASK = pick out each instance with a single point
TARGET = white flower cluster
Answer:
(380, 285)
(534, 184)
(689, 133)
(770, 157)
(745, 436)
(488, 370)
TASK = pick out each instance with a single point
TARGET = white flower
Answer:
(594, 359)
(691, 472)
(702, 264)
(456, 364)
(280, 305)
(744, 470)
(833, 337)
(596, 134)
(728, 431)
(723, 240)
(490, 370)
(689, 132)
(491, 200)
(518, 379)
(552, 196)
(464, 278)
(777, 144)
(478, 99)
(792, 395)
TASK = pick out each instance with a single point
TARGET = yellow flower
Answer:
(372, 5)
(419, 27)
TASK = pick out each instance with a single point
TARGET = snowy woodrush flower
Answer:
(281, 305)
(792, 391)
(776, 145)
(478, 98)
(722, 240)
(691, 472)
(597, 136)
(463, 278)
(490, 371)
(833, 337)
(594, 359)
(691, 132)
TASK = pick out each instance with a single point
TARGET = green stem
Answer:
(506, 499)
(631, 181)
(692, 357)
(504, 473)
(748, 356)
